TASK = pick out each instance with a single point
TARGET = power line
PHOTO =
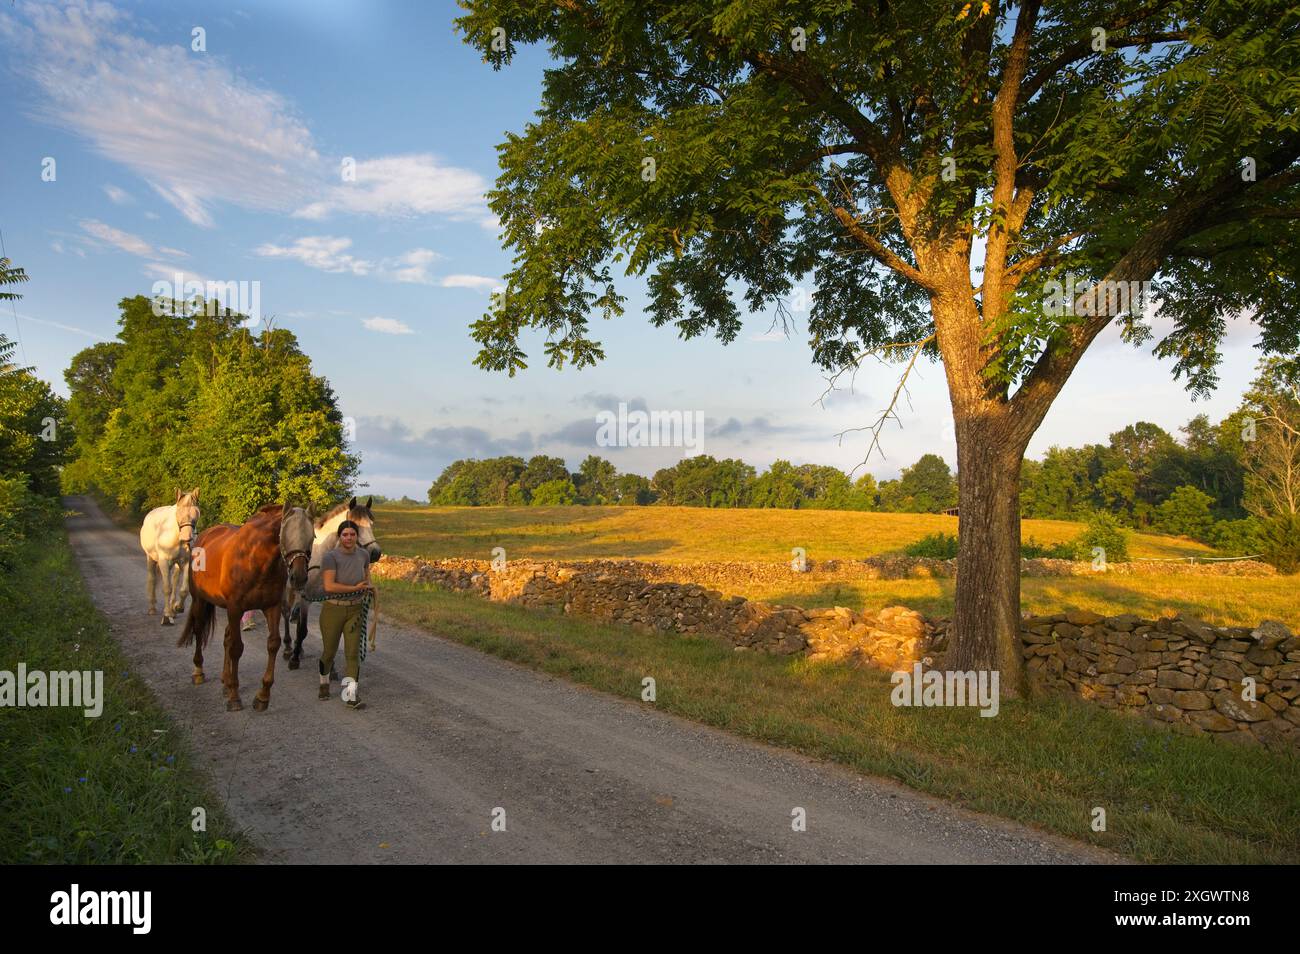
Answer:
(18, 331)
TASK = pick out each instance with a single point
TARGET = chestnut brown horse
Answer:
(246, 568)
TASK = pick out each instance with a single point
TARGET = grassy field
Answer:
(1168, 798)
(685, 535)
(693, 534)
(115, 789)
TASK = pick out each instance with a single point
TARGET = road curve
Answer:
(451, 735)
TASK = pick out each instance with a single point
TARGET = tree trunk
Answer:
(985, 633)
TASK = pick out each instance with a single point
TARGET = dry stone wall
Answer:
(1234, 683)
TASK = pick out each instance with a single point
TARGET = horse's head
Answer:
(187, 514)
(360, 515)
(297, 531)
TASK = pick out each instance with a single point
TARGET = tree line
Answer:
(928, 486)
(188, 396)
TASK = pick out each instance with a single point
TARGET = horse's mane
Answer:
(270, 507)
(334, 512)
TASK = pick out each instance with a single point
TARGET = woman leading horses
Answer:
(344, 570)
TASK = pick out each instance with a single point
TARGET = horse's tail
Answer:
(198, 622)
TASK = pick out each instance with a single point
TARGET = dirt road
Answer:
(452, 736)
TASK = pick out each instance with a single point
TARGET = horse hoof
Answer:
(167, 621)
(260, 705)
(152, 611)
(234, 705)
(293, 663)
(198, 678)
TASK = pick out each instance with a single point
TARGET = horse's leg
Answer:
(165, 571)
(180, 582)
(197, 609)
(263, 698)
(286, 613)
(234, 649)
(151, 569)
(296, 659)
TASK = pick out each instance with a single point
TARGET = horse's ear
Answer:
(195, 494)
(369, 500)
(352, 503)
(178, 495)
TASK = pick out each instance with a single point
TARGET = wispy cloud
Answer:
(202, 135)
(118, 196)
(332, 253)
(470, 281)
(387, 326)
(397, 186)
(328, 253)
(125, 241)
(412, 267)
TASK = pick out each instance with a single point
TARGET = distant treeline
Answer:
(702, 481)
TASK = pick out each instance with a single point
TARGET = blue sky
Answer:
(225, 164)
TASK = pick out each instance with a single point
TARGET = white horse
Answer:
(295, 607)
(165, 538)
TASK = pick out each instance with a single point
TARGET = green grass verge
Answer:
(1168, 798)
(116, 789)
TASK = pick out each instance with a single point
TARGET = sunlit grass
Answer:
(693, 534)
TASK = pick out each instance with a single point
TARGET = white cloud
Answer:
(119, 196)
(200, 134)
(412, 267)
(117, 238)
(186, 124)
(325, 252)
(470, 281)
(396, 186)
(388, 326)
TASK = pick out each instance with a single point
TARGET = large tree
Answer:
(950, 177)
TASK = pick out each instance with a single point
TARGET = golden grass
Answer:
(693, 534)
(685, 535)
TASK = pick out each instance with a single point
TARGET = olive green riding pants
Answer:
(345, 621)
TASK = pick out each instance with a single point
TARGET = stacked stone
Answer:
(1180, 670)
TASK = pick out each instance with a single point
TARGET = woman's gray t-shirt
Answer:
(349, 569)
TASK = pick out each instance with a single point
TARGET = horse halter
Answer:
(288, 558)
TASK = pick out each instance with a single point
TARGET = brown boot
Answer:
(324, 691)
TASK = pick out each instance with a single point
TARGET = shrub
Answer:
(1186, 512)
(1103, 531)
(1031, 549)
(554, 493)
(1280, 537)
(1237, 537)
(938, 546)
